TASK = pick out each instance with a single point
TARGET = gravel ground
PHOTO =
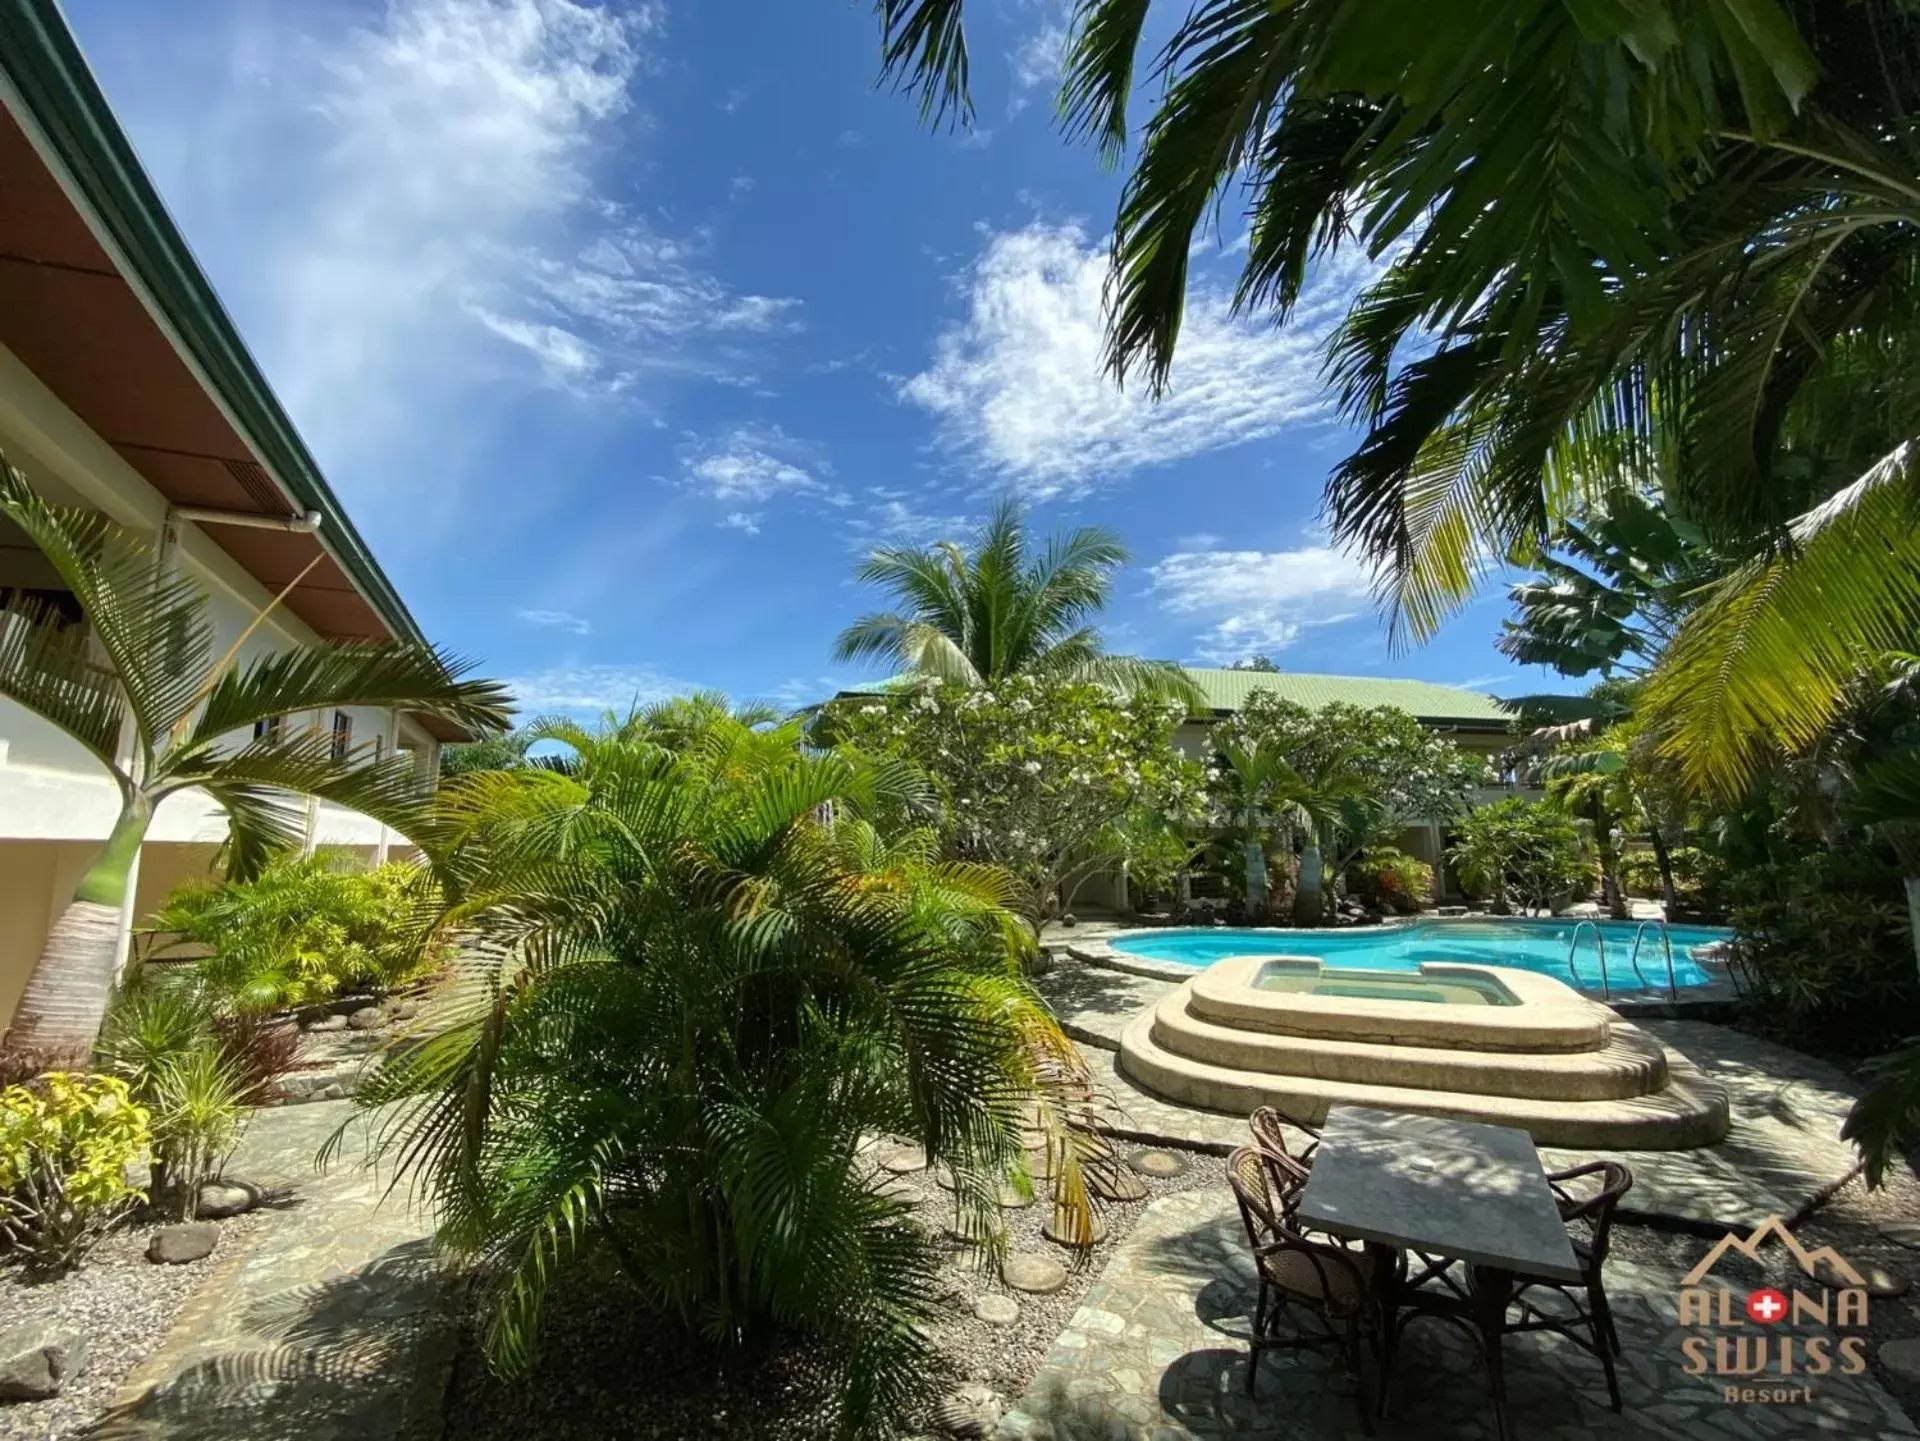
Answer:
(124, 1303)
(1850, 1222)
(607, 1368)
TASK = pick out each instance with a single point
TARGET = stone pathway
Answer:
(333, 1324)
(1157, 1350)
(1782, 1157)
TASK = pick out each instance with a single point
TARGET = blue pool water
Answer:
(1527, 945)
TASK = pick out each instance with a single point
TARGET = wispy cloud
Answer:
(1259, 600)
(1036, 60)
(410, 212)
(752, 463)
(557, 620)
(893, 517)
(1018, 385)
(747, 520)
(588, 690)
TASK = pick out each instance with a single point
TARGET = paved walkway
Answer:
(1783, 1155)
(331, 1325)
(1157, 1350)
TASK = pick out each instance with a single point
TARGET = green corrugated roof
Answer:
(1227, 690)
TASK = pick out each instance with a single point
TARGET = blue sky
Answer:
(623, 330)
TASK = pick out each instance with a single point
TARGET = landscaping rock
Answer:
(367, 1018)
(327, 1023)
(1011, 1200)
(1882, 1283)
(1902, 1358)
(37, 1359)
(223, 1198)
(903, 1160)
(402, 1010)
(176, 1245)
(1158, 1163)
(997, 1310)
(1110, 1183)
(1036, 1275)
(972, 1410)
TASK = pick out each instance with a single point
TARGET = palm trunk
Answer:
(1913, 914)
(1309, 895)
(66, 997)
(1663, 858)
(1256, 872)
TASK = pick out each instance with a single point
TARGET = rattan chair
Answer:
(1331, 1288)
(1269, 1126)
(1584, 1318)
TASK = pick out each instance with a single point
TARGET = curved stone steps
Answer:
(1690, 1111)
(1629, 1064)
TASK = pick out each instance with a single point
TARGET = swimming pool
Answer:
(1529, 945)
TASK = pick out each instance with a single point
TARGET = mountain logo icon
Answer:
(1774, 1229)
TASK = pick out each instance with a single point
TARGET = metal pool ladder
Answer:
(1666, 939)
(1599, 945)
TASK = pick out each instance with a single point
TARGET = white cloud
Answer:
(588, 690)
(1019, 388)
(557, 620)
(751, 463)
(407, 213)
(889, 517)
(1261, 600)
(747, 520)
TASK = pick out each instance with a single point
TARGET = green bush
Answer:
(66, 1142)
(1523, 852)
(1640, 874)
(166, 1041)
(1386, 878)
(1825, 944)
(306, 929)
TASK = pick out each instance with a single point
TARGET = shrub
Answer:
(66, 1142)
(1522, 850)
(1386, 878)
(1826, 948)
(186, 1065)
(306, 929)
(1640, 873)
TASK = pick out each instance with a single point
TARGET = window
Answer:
(342, 735)
(268, 729)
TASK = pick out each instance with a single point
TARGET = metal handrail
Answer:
(1599, 945)
(1666, 937)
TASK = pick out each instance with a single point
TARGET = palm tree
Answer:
(996, 608)
(177, 707)
(1265, 788)
(1652, 239)
(699, 977)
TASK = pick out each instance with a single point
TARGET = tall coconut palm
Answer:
(700, 1000)
(188, 717)
(1001, 606)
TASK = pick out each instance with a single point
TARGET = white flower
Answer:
(1032, 768)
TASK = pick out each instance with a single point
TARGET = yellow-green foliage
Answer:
(306, 929)
(66, 1142)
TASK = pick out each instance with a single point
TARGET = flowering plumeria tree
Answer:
(1050, 779)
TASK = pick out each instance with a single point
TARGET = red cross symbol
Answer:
(1766, 1306)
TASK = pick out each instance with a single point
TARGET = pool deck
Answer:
(1782, 1156)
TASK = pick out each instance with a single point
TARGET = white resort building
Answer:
(124, 387)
